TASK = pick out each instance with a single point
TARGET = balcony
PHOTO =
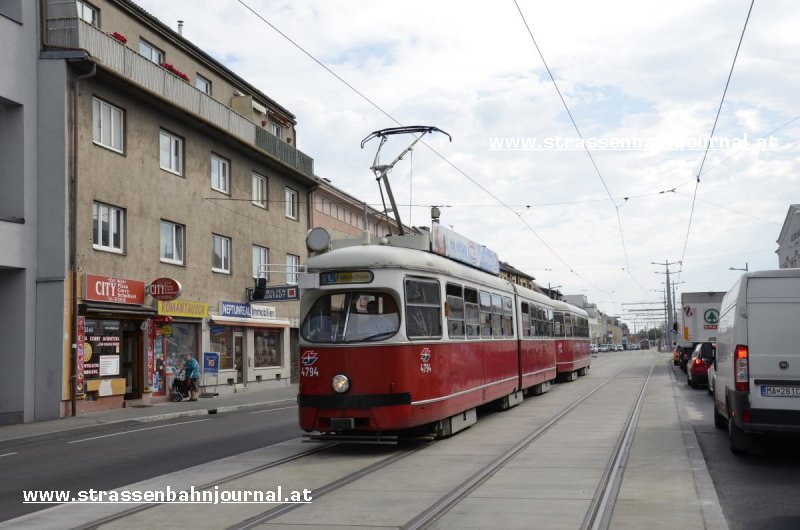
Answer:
(115, 56)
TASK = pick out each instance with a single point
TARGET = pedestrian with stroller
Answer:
(192, 370)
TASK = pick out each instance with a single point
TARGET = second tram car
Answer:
(396, 339)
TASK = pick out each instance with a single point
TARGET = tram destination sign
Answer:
(333, 278)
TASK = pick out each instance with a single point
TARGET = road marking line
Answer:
(271, 410)
(7, 454)
(136, 430)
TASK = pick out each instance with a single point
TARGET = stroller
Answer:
(180, 387)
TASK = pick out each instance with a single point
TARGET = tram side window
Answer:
(538, 328)
(472, 312)
(549, 324)
(455, 313)
(568, 325)
(423, 309)
(508, 317)
(558, 320)
(497, 315)
(486, 314)
(526, 320)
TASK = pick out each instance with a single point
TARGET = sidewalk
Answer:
(250, 398)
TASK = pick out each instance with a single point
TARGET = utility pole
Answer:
(670, 305)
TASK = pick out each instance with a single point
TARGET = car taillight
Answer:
(697, 361)
(741, 369)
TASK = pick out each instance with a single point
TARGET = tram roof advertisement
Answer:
(453, 245)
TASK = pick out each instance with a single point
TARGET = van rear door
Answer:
(773, 336)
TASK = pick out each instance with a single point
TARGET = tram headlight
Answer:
(340, 383)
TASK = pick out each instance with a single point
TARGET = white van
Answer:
(757, 387)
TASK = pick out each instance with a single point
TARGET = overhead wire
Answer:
(431, 148)
(713, 129)
(580, 135)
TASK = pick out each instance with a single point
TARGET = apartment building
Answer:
(181, 185)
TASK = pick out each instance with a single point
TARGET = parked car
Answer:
(712, 375)
(593, 348)
(697, 367)
(757, 385)
(685, 355)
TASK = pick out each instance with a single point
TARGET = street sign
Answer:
(211, 362)
(281, 293)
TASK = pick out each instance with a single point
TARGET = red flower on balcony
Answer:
(167, 66)
(119, 36)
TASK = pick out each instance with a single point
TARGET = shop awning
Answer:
(250, 322)
(116, 309)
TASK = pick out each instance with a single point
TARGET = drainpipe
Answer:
(73, 251)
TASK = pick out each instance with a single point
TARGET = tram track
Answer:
(596, 516)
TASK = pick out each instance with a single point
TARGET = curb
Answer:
(710, 506)
(215, 410)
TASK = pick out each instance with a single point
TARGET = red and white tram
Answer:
(397, 339)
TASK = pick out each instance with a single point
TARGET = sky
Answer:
(648, 76)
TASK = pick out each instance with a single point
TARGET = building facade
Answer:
(789, 240)
(178, 172)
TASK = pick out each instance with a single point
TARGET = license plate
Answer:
(780, 391)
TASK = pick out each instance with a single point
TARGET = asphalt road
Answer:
(113, 456)
(760, 489)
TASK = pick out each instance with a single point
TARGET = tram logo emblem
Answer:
(309, 358)
(425, 357)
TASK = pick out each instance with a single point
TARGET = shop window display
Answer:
(268, 348)
(222, 342)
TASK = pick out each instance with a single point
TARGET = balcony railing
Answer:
(74, 33)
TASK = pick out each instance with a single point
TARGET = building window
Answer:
(220, 254)
(260, 260)
(220, 169)
(276, 129)
(107, 125)
(171, 148)
(87, 13)
(108, 228)
(150, 52)
(172, 242)
(292, 266)
(202, 84)
(259, 190)
(291, 203)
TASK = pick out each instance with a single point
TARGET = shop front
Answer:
(252, 342)
(110, 366)
(176, 330)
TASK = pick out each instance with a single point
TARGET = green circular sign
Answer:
(711, 316)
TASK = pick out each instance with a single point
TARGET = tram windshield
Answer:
(352, 317)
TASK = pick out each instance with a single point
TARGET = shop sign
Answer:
(166, 330)
(262, 311)
(81, 351)
(233, 309)
(165, 289)
(117, 290)
(177, 308)
(210, 362)
(284, 293)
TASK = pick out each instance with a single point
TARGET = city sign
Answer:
(117, 290)
(165, 289)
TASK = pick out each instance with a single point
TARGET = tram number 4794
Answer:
(309, 371)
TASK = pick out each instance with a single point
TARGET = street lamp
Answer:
(746, 268)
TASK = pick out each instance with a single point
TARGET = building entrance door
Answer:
(131, 359)
(238, 354)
